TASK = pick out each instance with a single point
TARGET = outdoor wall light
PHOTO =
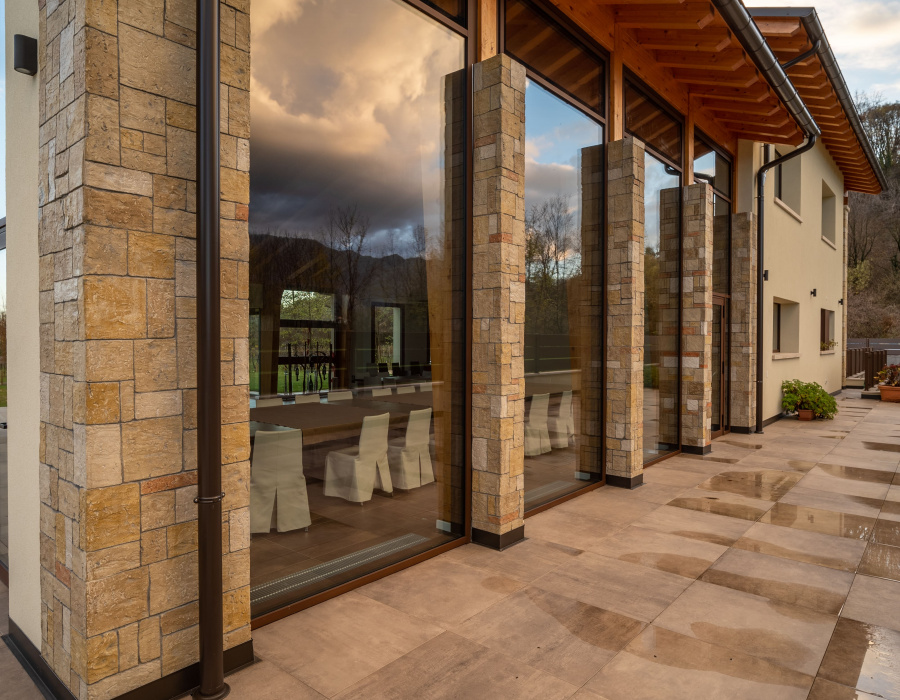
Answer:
(841, 302)
(813, 292)
(25, 54)
(765, 275)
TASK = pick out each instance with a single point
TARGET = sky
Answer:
(865, 38)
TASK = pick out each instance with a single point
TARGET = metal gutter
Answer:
(810, 20)
(209, 359)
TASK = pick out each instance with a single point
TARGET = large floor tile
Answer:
(783, 634)
(864, 656)
(763, 484)
(658, 550)
(826, 522)
(17, 684)
(453, 667)
(670, 476)
(791, 582)
(874, 600)
(629, 589)
(822, 481)
(826, 500)
(887, 532)
(881, 560)
(557, 634)
(610, 505)
(442, 592)
(799, 545)
(525, 561)
(664, 665)
(569, 529)
(332, 645)
(845, 473)
(722, 503)
(826, 690)
(265, 681)
(704, 527)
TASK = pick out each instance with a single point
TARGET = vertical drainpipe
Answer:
(209, 351)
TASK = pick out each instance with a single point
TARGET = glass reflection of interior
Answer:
(563, 345)
(662, 241)
(357, 245)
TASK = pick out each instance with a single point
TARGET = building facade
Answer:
(475, 258)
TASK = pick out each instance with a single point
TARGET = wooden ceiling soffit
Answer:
(688, 15)
(710, 39)
(692, 78)
(725, 61)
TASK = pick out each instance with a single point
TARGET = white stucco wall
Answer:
(23, 328)
(798, 261)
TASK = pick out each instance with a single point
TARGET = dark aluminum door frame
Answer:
(721, 423)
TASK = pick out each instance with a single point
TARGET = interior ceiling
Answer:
(697, 50)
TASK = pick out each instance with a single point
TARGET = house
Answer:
(404, 274)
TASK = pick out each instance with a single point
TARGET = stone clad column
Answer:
(743, 322)
(498, 304)
(118, 341)
(625, 309)
(696, 318)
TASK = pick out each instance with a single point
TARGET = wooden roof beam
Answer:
(758, 93)
(766, 109)
(709, 39)
(690, 15)
(728, 60)
(741, 79)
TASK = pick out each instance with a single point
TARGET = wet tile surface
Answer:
(865, 657)
(766, 570)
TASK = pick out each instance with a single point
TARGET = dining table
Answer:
(321, 422)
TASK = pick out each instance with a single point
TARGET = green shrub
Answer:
(651, 376)
(810, 396)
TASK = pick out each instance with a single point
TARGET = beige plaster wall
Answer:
(23, 327)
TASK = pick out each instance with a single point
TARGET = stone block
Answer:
(118, 209)
(151, 255)
(149, 639)
(102, 121)
(109, 360)
(151, 448)
(108, 562)
(116, 601)
(180, 649)
(157, 510)
(102, 656)
(152, 64)
(173, 583)
(155, 365)
(114, 308)
(110, 516)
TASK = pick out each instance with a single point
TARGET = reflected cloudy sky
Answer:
(347, 109)
(655, 179)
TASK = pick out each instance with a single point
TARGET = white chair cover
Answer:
(276, 472)
(410, 459)
(265, 403)
(306, 398)
(381, 392)
(425, 387)
(353, 473)
(562, 426)
(537, 436)
(406, 389)
(340, 396)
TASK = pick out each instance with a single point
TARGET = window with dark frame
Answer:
(776, 328)
(778, 174)
(653, 123)
(826, 330)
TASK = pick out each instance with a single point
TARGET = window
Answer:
(787, 180)
(826, 330)
(653, 123)
(357, 261)
(829, 214)
(711, 166)
(554, 54)
(785, 327)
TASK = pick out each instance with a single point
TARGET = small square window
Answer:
(829, 214)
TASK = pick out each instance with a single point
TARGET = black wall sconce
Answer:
(813, 292)
(841, 302)
(765, 275)
(25, 54)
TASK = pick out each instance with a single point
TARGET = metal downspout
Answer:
(209, 351)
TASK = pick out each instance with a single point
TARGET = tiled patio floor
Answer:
(769, 569)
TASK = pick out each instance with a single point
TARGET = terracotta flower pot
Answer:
(889, 393)
(806, 414)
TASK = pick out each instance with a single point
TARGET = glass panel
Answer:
(711, 167)
(653, 125)
(4, 483)
(357, 305)
(540, 44)
(717, 368)
(721, 245)
(662, 240)
(563, 323)
(454, 8)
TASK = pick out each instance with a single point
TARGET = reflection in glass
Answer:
(357, 245)
(4, 480)
(711, 167)
(563, 341)
(662, 247)
(652, 124)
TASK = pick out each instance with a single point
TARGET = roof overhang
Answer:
(791, 32)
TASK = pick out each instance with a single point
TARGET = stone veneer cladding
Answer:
(118, 476)
(625, 308)
(743, 321)
(696, 319)
(498, 297)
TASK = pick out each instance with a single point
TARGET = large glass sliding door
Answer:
(564, 172)
(357, 326)
(661, 132)
(4, 478)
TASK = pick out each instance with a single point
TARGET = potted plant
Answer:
(889, 378)
(808, 399)
(827, 345)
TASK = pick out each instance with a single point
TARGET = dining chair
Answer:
(406, 389)
(306, 398)
(410, 457)
(276, 475)
(340, 396)
(266, 403)
(354, 472)
(426, 387)
(537, 436)
(562, 426)
(381, 392)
